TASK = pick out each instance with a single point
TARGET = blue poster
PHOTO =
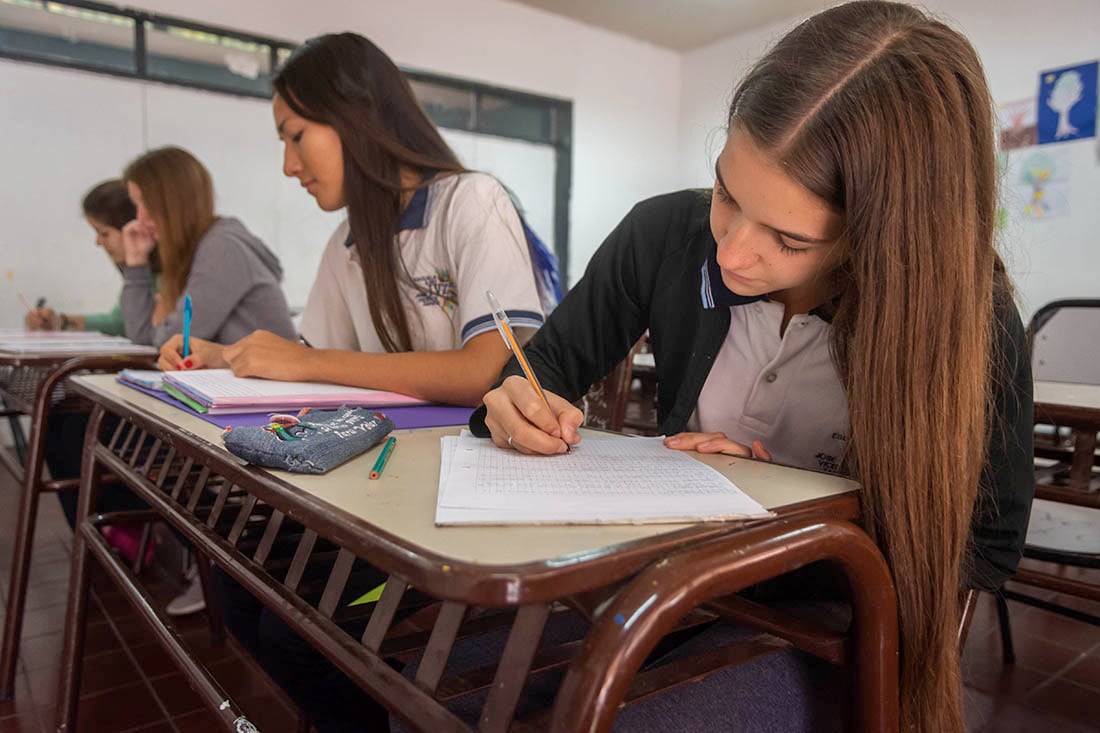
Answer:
(1067, 103)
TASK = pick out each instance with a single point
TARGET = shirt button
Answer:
(771, 377)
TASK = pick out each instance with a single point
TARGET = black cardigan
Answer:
(647, 275)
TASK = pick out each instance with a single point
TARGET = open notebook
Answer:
(603, 481)
(217, 391)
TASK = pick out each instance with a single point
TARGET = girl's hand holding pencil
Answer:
(518, 419)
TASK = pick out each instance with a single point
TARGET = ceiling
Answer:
(681, 25)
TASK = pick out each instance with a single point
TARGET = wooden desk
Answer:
(235, 514)
(33, 384)
(1075, 406)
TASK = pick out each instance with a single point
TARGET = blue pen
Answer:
(186, 326)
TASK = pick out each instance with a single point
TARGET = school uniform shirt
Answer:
(657, 270)
(783, 390)
(459, 237)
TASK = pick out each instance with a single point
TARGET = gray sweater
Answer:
(234, 289)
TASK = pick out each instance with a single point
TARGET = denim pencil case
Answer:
(311, 441)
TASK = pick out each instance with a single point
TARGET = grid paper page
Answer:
(602, 480)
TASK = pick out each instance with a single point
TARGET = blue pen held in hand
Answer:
(186, 326)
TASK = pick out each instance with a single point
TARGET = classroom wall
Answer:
(62, 130)
(1016, 39)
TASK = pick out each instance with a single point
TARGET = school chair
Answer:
(1065, 519)
(606, 401)
(1064, 341)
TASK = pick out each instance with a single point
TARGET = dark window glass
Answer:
(207, 59)
(67, 35)
(446, 105)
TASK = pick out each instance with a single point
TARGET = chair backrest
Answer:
(606, 400)
(1064, 337)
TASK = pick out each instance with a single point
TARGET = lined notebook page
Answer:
(604, 480)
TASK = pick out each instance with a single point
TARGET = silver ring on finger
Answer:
(510, 442)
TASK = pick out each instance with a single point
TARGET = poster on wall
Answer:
(1038, 183)
(1017, 124)
(1067, 103)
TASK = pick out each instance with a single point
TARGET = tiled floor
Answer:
(130, 685)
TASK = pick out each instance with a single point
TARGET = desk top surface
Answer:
(402, 503)
(1086, 396)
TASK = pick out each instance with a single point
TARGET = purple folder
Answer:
(417, 416)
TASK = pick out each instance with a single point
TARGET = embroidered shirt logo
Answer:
(437, 290)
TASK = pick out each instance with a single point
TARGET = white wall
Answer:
(625, 131)
(1016, 39)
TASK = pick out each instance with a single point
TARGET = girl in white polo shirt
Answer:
(399, 300)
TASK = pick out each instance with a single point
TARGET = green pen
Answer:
(376, 469)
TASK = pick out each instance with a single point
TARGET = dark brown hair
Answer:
(109, 203)
(178, 193)
(885, 114)
(348, 83)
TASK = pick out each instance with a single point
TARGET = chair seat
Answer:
(1064, 527)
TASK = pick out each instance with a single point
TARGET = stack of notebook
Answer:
(217, 391)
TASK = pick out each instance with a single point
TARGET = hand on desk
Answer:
(42, 319)
(204, 355)
(717, 443)
(518, 419)
(263, 354)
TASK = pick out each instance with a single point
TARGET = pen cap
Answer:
(500, 318)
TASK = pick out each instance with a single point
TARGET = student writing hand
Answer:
(41, 319)
(717, 443)
(517, 418)
(204, 355)
(263, 354)
(137, 243)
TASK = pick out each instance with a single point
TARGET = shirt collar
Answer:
(415, 215)
(715, 294)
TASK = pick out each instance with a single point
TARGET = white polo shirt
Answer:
(783, 391)
(458, 237)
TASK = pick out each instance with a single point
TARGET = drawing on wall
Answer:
(1017, 124)
(1067, 103)
(1040, 183)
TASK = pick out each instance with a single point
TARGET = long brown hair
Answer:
(885, 114)
(179, 195)
(346, 82)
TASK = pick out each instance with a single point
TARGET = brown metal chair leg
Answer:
(24, 540)
(213, 608)
(1008, 653)
(970, 602)
(72, 649)
(143, 547)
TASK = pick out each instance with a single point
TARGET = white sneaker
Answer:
(190, 601)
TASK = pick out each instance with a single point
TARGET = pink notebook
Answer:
(222, 393)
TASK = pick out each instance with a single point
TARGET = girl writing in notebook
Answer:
(231, 276)
(424, 238)
(836, 302)
(107, 209)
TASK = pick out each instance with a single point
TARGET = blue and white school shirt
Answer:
(459, 237)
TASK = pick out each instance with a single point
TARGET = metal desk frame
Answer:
(235, 515)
